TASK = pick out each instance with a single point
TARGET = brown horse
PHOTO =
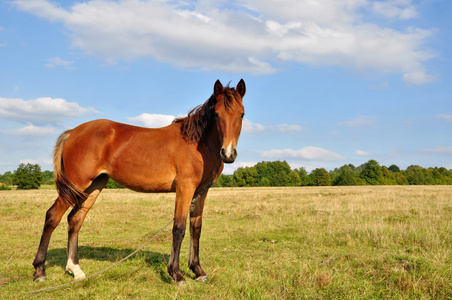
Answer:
(184, 157)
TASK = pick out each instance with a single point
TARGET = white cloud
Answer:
(445, 117)
(324, 12)
(250, 127)
(39, 161)
(358, 122)
(308, 153)
(42, 110)
(253, 128)
(252, 36)
(58, 62)
(362, 153)
(153, 120)
(30, 130)
(418, 77)
(402, 9)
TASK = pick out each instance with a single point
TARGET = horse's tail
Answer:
(67, 191)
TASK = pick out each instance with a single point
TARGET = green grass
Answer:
(372, 242)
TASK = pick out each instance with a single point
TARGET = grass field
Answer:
(257, 243)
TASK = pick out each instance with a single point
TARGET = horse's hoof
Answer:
(40, 279)
(202, 279)
(78, 276)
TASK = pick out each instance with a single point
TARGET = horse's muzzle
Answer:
(228, 155)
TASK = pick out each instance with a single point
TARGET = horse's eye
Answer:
(242, 116)
(215, 115)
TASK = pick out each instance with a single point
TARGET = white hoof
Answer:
(80, 275)
(75, 270)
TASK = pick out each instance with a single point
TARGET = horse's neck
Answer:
(212, 142)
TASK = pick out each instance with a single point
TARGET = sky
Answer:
(329, 82)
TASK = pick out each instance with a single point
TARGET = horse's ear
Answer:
(218, 88)
(241, 88)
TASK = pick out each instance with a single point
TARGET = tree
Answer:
(417, 175)
(372, 173)
(440, 175)
(48, 177)
(111, 184)
(346, 176)
(280, 179)
(28, 177)
(224, 180)
(394, 169)
(304, 177)
(7, 178)
(265, 182)
(294, 179)
(320, 177)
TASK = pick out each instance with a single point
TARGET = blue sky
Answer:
(329, 82)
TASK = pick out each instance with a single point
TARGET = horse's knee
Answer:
(179, 232)
(53, 217)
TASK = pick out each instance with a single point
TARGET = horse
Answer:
(185, 157)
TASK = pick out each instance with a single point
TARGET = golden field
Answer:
(366, 242)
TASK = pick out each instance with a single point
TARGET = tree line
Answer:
(273, 173)
(29, 176)
(279, 173)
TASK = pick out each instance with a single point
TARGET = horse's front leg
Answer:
(195, 233)
(183, 201)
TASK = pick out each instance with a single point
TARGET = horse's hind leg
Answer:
(53, 218)
(75, 221)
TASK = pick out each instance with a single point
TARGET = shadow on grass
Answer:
(157, 261)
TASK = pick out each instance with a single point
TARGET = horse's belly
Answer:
(150, 183)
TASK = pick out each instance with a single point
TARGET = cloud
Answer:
(253, 128)
(41, 110)
(402, 9)
(418, 77)
(445, 117)
(39, 161)
(230, 168)
(358, 122)
(58, 62)
(324, 12)
(250, 36)
(158, 120)
(308, 153)
(30, 130)
(362, 153)
(153, 120)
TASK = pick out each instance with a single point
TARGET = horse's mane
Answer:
(197, 123)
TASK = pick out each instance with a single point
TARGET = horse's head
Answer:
(228, 115)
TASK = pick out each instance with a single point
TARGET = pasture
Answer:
(257, 243)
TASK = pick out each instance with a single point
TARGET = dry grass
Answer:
(272, 243)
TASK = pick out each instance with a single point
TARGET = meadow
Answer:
(368, 242)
